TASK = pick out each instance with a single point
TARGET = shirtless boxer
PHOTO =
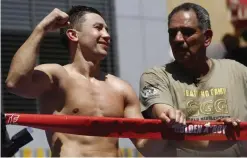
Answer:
(79, 88)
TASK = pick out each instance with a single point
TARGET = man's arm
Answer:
(132, 110)
(24, 78)
(167, 113)
(131, 102)
(156, 103)
(132, 107)
(158, 111)
(156, 98)
(19, 79)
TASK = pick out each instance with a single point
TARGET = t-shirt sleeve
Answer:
(154, 89)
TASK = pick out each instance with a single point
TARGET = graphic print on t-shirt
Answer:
(206, 104)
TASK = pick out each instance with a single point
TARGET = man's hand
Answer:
(173, 116)
(55, 20)
(169, 115)
(231, 132)
(232, 121)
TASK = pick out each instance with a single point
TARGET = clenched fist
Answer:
(55, 20)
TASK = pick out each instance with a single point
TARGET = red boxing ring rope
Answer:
(129, 127)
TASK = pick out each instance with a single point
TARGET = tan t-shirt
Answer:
(220, 93)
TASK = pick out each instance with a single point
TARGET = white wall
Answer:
(142, 39)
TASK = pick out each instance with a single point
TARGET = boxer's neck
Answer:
(87, 68)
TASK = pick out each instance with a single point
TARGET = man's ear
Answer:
(72, 35)
(208, 35)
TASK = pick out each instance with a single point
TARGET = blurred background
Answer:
(139, 40)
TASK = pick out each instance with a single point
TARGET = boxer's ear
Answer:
(208, 34)
(72, 35)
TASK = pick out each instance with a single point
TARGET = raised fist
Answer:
(55, 20)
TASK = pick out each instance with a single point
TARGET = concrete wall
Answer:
(141, 36)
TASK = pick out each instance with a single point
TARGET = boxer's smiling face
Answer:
(92, 37)
(186, 38)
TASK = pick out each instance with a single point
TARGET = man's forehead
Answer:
(93, 18)
(184, 19)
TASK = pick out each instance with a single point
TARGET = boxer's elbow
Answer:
(11, 87)
(22, 90)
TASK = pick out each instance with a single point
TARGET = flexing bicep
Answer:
(41, 80)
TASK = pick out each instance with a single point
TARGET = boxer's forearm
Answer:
(24, 60)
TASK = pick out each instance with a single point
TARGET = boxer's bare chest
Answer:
(87, 97)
